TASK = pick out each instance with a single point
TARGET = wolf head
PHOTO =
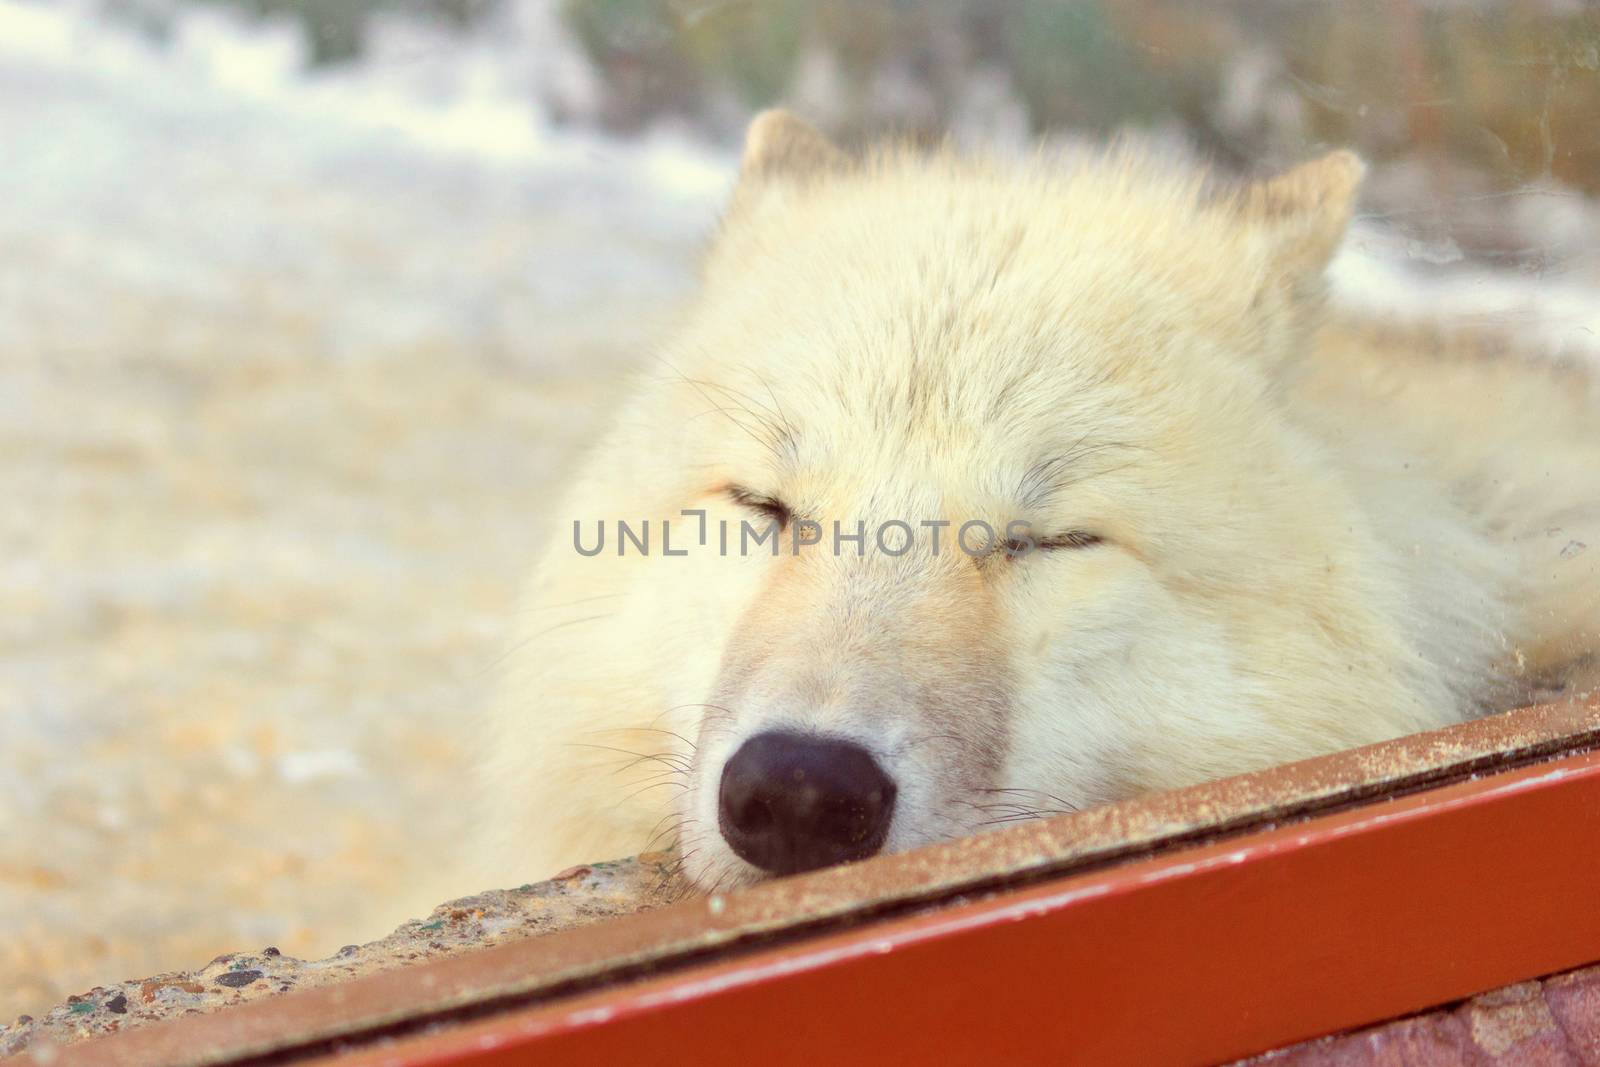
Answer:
(1047, 531)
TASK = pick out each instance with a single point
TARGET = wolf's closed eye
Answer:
(770, 506)
(1071, 539)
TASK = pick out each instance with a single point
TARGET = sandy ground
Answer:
(286, 375)
(280, 399)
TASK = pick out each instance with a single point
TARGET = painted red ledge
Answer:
(1199, 956)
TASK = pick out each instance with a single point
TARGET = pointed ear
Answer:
(778, 145)
(1303, 212)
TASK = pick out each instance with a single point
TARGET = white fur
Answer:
(1316, 536)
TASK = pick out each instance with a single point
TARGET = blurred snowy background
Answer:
(306, 304)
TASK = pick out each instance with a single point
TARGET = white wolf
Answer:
(1225, 533)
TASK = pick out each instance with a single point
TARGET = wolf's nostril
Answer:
(789, 802)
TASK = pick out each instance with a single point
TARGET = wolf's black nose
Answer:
(791, 803)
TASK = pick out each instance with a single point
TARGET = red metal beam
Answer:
(1200, 955)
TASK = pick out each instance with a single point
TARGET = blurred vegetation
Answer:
(1507, 91)
(1512, 88)
(335, 30)
(1070, 62)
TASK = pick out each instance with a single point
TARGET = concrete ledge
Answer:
(573, 898)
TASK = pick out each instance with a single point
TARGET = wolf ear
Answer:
(1303, 212)
(780, 145)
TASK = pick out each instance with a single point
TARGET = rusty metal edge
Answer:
(521, 974)
(1138, 963)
